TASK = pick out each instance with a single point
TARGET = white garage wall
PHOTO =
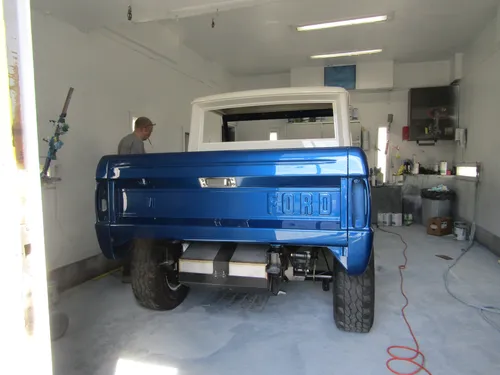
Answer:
(406, 75)
(259, 130)
(112, 83)
(375, 106)
(480, 93)
(422, 74)
(373, 111)
(264, 81)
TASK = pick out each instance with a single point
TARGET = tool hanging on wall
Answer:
(54, 142)
(213, 18)
(390, 118)
(129, 13)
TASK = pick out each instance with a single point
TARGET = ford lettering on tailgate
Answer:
(304, 204)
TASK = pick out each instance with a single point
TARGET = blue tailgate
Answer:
(310, 197)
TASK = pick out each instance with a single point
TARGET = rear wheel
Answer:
(354, 298)
(154, 269)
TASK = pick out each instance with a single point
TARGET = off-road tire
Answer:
(149, 275)
(354, 298)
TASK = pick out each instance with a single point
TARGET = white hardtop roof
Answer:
(280, 96)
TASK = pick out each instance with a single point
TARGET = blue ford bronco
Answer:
(269, 191)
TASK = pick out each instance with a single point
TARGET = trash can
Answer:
(436, 204)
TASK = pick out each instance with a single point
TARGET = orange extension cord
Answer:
(418, 358)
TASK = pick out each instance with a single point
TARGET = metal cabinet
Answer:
(433, 113)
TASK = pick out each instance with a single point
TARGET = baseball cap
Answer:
(143, 122)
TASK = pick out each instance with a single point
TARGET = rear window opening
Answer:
(273, 130)
(271, 123)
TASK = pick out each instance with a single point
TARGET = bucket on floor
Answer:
(397, 219)
(380, 219)
(387, 219)
(460, 229)
(408, 219)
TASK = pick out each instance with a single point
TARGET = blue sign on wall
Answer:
(341, 76)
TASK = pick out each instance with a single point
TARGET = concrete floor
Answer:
(293, 333)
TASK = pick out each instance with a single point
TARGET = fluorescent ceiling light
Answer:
(356, 21)
(346, 54)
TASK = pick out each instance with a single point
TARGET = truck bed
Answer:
(303, 197)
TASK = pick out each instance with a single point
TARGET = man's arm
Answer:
(120, 148)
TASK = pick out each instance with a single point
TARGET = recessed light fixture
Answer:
(351, 22)
(346, 54)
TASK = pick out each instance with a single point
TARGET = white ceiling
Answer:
(257, 36)
(88, 15)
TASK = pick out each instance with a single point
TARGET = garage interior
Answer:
(127, 59)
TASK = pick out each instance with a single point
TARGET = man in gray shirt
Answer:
(133, 143)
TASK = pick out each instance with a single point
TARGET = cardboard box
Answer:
(440, 226)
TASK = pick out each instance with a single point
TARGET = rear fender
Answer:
(356, 256)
